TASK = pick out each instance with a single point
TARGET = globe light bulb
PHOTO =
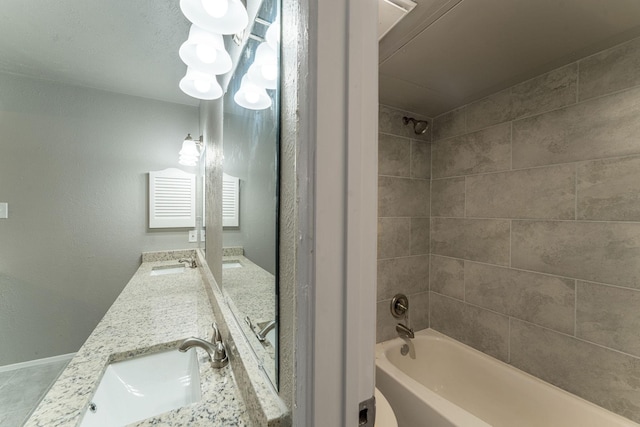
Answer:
(216, 8)
(202, 85)
(251, 96)
(270, 71)
(206, 53)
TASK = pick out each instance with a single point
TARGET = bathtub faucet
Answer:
(404, 331)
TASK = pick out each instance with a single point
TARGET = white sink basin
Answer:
(139, 388)
(167, 269)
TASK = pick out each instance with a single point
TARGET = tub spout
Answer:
(404, 331)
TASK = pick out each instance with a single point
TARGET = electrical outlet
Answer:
(4, 210)
(193, 236)
(203, 235)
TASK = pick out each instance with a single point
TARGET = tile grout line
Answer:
(575, 308)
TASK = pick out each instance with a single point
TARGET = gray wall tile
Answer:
(420, 236)
(419, 311)
(549, 91)
(420, 159)
(390, 121)
(484, 240)
(481, 329)
(598, 128)
(595, 251)
(446, 276)
(407, 275)
(447, 197)
(394, 237)
(489, 111)
(609, 316)
(385, 322)
(607, 378)
(537, 298)
(449, 124)
(394, 155)
(533, 193)
(403, 197)
(609, 190)
(488, 150)
(611, 70)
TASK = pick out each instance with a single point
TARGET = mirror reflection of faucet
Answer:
(261, 334)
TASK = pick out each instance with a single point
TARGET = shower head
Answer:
(419, 126)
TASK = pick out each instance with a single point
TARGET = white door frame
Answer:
(336, 169)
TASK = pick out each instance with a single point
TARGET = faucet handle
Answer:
(216, 337)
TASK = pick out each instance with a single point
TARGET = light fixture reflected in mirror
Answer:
(217, 16)
(264, 70)
(190, 152)
(251, 95)
(200, 85)
(205, 52)
(273, 34)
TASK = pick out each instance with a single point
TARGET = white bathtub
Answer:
(448, 384)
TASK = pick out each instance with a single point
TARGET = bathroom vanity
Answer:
(162, 305)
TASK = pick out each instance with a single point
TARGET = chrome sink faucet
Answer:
(191, 262)
(216, 349)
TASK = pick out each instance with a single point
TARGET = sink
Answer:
(139, 388)
(231, 264)
(167, 269)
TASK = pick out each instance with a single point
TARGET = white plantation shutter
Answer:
(230, 200)
(172, 199)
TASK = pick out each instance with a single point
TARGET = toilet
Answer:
(384, 413)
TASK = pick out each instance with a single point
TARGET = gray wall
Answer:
(250, 153)
(535, 228)
(73, 165)
(404, 168)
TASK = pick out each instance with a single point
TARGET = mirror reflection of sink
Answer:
(139, 388)
(167, 269)
(231, 264)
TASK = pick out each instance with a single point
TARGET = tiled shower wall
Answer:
(535, 227)
(404, 168)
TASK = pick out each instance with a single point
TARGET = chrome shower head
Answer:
(419, 126)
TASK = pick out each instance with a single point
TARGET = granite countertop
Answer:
(153, 313)
(251, 293)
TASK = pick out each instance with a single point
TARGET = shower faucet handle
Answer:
(399, 305)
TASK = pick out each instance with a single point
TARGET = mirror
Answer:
(250, 147)
(89, 104)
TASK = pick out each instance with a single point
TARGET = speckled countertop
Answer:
(152, 313)
(251, 291)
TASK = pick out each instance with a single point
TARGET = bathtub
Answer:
(443, 383)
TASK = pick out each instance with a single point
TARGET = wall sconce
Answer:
(191, 150)
(200, 85)
(251, 96)
(205, 52)
(218, 16)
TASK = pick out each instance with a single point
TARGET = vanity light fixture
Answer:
(217, 16)
(264, 70)
(190, 152)
(205, 52)
(252, 96)
(273, 34)
(200, 85)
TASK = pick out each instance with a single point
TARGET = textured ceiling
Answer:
(125, 46)
(447, 53)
